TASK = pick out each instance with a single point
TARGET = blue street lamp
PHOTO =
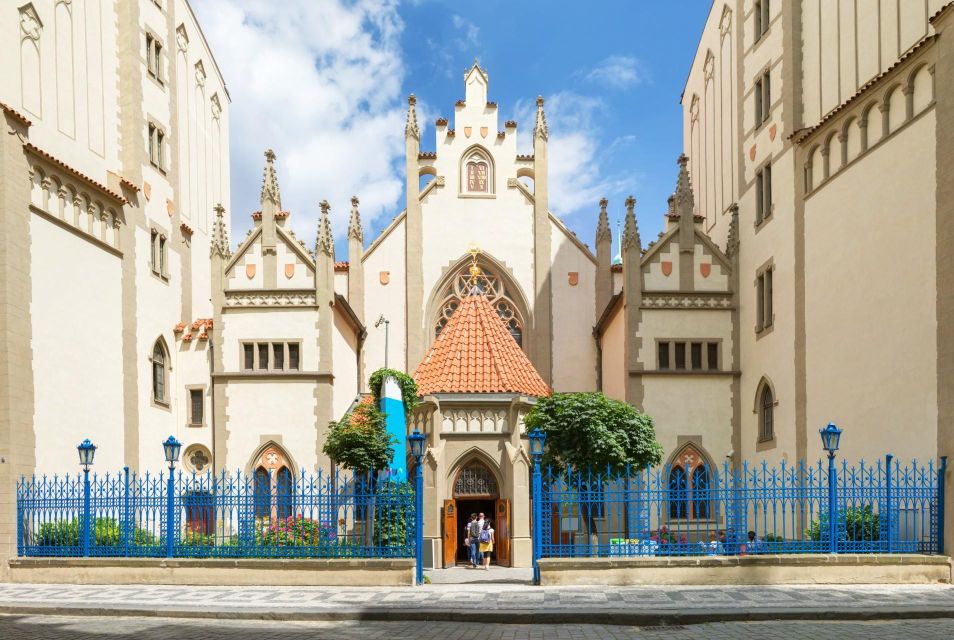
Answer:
(537, 440)
(171, 450)
(86, 451)
(417, 450)
(831, 437)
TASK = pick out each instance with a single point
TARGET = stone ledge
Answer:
(215, 571)
(762, 570)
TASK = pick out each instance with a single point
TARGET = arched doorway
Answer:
(475, 489)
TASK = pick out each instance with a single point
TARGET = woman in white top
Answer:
(487, 542)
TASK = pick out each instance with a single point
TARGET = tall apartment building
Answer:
(113, 157)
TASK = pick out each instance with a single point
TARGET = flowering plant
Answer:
(295, 530)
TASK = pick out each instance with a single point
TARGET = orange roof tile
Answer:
(475, 353)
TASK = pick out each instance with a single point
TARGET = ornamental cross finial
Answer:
(354, 224)
(684, 201)
(603, 232)
(220, 234)
(270, 190)
(325, 242)
(475, 272)
(540, 126)
(411, 130)
(630, 228)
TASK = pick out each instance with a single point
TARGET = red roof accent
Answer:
(427, 155)
(616, 268)
(281, 214)
(475, 353)
(341, 266)
(257, 215)
(186, 229)
(76, 173)
(22, 119)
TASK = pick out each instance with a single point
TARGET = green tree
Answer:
(360, 441)
(589, 430)
(406, 382)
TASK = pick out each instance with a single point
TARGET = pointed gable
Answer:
(475, 353)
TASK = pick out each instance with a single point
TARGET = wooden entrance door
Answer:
(450, 533)
(502, 533)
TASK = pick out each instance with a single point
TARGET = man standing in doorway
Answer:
(473, 533)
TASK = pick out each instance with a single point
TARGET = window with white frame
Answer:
(764, 311)
(154, 57)
(156, 151)
(763, 193)
(159, 253)
(763, 98)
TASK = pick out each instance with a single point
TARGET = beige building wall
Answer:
(573, 277)
(384, 290)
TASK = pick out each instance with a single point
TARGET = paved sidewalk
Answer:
(489, 603)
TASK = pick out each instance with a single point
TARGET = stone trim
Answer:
(687, 300)
(79, 233)
(268, 374)
(256, 298)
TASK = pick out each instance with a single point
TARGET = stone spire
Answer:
(354, 224)
(411, 130)
(682, 198)
(324, 243)
(602, 226)
(270, 192)
(732, 243)
(220, 234)
(540, 126)
(630, 228)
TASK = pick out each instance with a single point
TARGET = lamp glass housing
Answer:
(171, 449)
(830, 437)
(86, 450)
(537, 440)
(417, 444)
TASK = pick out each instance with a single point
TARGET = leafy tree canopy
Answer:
(406, 382)
(590, 430)
(360, 441)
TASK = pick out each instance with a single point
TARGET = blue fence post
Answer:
(887, 499)
(832, 506)
(940, 504)
(537, 539)
(126, 528)
(21, 493)
(86, 513)
(419, 521)
(170, 524)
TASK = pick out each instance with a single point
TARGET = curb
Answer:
(514, 616)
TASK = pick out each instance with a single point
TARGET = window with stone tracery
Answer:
(490, 285)
(475, 480)
(477, 173)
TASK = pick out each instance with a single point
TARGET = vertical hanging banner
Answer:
(392, 406)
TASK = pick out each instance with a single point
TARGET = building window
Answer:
(273, 486)
(493, 288)
(477, 173)
(763, 194)
(278, 355)
(703, 355)
(200, 515)
(663, 362)
(159, 373)
(760, 13)
(764, 312)
(197, 405)
(689, 480)
(153, 57)
(766, 413)
(293, 356)
(249, 352)
(156, 142)
(263, 355)
(159, 255)
(763, 98)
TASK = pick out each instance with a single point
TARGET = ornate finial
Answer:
(325, 242)
(354, 224)
(683, 200)
(474, 270)
(540, 127)
(220, 234)
(732, 244)
(270, 190)
(630, 229)
(602, 226)
(411, 129)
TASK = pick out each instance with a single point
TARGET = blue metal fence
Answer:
(685, 509)
(227, 515)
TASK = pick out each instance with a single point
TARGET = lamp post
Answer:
(417, 450)
(86, 451)
(171, 450)
(830, 437)
(537, 440)
(387, 325)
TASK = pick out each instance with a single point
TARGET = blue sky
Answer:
(325, 82)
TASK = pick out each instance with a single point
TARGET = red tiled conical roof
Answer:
(475, 353)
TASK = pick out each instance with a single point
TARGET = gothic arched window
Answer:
(159, 370)
(766, 414)
(477, 172)
(489, 285)
(475, 480)
(690, 482)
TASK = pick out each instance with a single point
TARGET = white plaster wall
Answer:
(870, 300)
(303, 276)
(77, 349)
(574, 349)
(341, 283)
(653, 277)
(237, 277)
(679, 324)
(614, 357)
(344, 349)
(283, 411)
(269, 325)
(388, 300)
(718, 279)
(191, 364)
(687, 405)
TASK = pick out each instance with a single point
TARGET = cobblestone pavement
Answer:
(490, 603)
(95, 628)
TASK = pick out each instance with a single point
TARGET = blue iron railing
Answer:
(228, 515)
(686, 509)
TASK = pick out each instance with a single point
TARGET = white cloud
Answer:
(618, 72)
(320, 83)
(577, 176)
(469, 32)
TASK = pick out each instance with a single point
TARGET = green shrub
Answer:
(105, 532)
(294, 531)
(393, 509)
(861, 524)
